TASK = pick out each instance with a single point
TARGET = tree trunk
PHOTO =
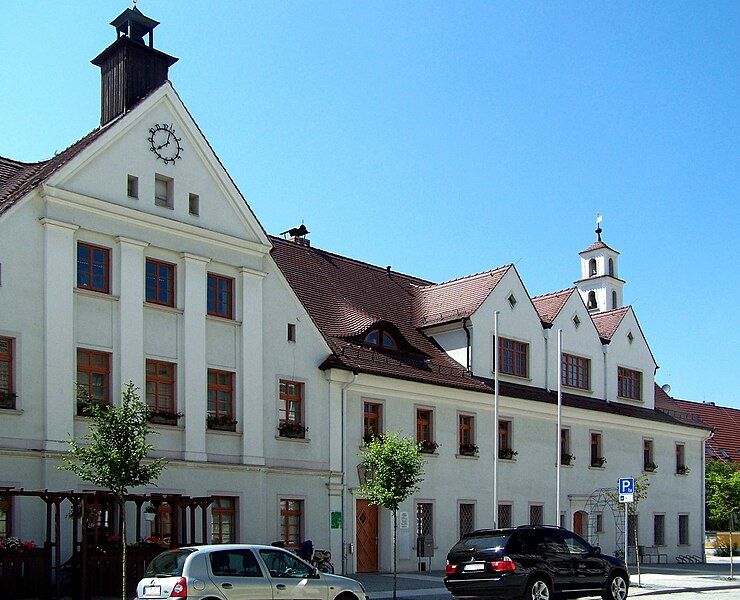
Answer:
(395, 551)
(732, 575)
(637, 548)
(122, 505)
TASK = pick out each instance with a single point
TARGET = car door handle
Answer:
(281, 586)
(226, 586)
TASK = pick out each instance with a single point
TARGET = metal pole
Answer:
(495, 418)
(626, 533)
(560, 425)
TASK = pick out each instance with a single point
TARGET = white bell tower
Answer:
(600, 286)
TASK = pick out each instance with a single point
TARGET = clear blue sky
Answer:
(445, 138)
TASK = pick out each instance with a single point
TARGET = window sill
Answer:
(593, 468)
(164, 307)
(507, 460)
(11, 411)
(168, 427)
(636, 400)
(435, 454)
(514, 377)
(223, 320)
(96, 294)
(562, 466)
(578, 389)
(283, 438)
(681, 474)
(217, 431)
(467, 456)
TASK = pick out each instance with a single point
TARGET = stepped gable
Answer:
(548, 306)
(455, 299)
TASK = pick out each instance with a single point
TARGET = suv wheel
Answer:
(616, 588)
(538, 589)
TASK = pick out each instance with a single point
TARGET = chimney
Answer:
(130, 68)
(298, 235)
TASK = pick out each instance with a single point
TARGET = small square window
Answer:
(576, 321)
(630, 337)
(512, 300)
(194, 204)
(163, 195)
(132, 187)
(291, 332)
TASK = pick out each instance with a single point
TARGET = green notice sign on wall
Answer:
(336, 519)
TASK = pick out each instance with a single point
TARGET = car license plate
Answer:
(474, 567)
(152, 590)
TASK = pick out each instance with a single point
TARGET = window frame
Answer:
(599, 447)
(157, 380)
(625, 374)
(91, 370)
(580, 366)
(418, 523)
(382, 334)
(465, 429)
(519, 348)
(509, 433)
(6, 504)
(539, 505)
(661, 541)
(216, 312)
(680, 457)
(687, 541)
(219, 387)
(132, 184)
(217, 518)
(501, 505)
(376, 417)
(420, 424)
(648, 454)
(565, 444)
(285, 526)
(91, 248)
(169, 189)
(292, 334)
(284, 398)
(460, 504)
(193, 201)
(9, 359)
(171, 280)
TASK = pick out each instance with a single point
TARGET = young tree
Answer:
(394, 467)
(723, 496)
(114, 454)
(642, 483)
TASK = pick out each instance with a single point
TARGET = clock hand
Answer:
(167, 143)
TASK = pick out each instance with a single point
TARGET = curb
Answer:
(685, 590)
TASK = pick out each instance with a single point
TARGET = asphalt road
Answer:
(708, 595)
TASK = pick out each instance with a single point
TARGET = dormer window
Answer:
(380, 339)
(512, 300)
(592, 267)
(591, 304)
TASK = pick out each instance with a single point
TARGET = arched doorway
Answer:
(580, 523)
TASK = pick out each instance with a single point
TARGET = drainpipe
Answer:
(467, 347)
(605, 350)
(345, 387)
(546, 334)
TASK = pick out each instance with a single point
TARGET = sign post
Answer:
(626, 490)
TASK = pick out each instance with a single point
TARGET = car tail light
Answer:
(180, 589)
(450, 569)
(503, 565)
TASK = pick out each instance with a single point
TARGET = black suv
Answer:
(532, 562)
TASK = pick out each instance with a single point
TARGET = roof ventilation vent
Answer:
(297, 235)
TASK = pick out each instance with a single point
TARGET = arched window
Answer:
(380, 339)
(592, 267)
(591, 300)
(614, 299)
(611, 267)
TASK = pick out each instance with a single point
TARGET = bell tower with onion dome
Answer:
(599, 285)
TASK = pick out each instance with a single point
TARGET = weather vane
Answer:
(599, 219)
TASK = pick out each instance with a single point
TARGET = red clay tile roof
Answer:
(455, 299)
(549, 305)
(597, 245)
(607, 322)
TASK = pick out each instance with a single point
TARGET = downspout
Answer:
(605, 350)
(467, 347)
(546, 335)
(345, 387)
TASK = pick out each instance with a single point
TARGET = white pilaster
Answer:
(254, 409)
(131, 311)
(195, 394)
(59, 343)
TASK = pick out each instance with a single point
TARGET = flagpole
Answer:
(495, 418)
(558, 458)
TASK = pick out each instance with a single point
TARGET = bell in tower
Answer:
(130, 67)
(599, 286)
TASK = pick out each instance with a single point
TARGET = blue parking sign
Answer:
(627, 485)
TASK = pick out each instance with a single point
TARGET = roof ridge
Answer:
(611, 312)
(568, 289)
(471, 276)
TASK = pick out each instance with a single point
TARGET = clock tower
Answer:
(600, 286)
(130, 67)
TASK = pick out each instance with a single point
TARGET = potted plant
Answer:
(566, 458)
(598, 461)
(507, 453)
(164, 417)
(290, 429)
(7, 399)
(150, 512)
(370, 437)
(650, 467)
(428, 446)
(682, 470)
(221, 423)
(468, 450)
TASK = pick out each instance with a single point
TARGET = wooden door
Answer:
(367, 537)
(580, 523)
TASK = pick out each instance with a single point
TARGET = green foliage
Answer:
(722, 492)
(113, 455)
(642, 483)
(394, 467)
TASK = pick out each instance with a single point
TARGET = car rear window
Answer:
(484, 541)
(168, 564)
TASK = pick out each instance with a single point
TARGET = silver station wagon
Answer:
(241, 572)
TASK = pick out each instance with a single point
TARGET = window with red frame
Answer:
(93, 376)
(93, 268)
(220, 296)
(512, 357)
(629, 384)
(574, 371)
(6, 516)
(7, 391)
(160, 386)
(372, 420)
(465, 430)
(223, 520)
(424, 425)
(291, 522)
(220, 400)
(160, 282)
(291, 401)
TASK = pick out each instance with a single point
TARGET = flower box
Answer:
(468, 450)
(163, 417)
(7, 400)
(221, 423)
(507, 453)
(289, 429)
(682, 470)
(650, 467)
(598, 461)
(567, 459)
(428, 446)
(85, 407)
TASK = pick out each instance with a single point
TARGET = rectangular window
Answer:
(424, 431)
(565, 456)
(372, 420)
(291, 522)
(504, 515)
(659, 530)
(466, 518)
(597, 459)
(160, 386)
(291, 402)
(683, 530)
(575, 371)
(163, 195)
(160, 282)
(93, 268)
(93, 376)
(291, 332)
(599, 522)
(132, 186)
(466, 435)
(6, 514)
(194, 204)
(424, 518)
(223, 520)
(220, 296)
(647, 456)
(629, 384)
(512, 359)
(221, 400)
(505, 449)
(536, 514)
(7, 389)
(680, 453)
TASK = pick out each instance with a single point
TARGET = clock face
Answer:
(164, 143)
